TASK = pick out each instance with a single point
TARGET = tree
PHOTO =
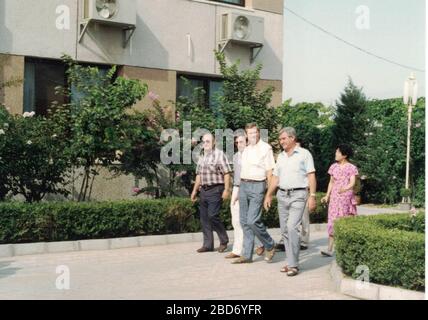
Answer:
(140, 154)
(382, 159)
(97, 115)
(5, 119)
(242, 102)
(350, 118)
(313, 125)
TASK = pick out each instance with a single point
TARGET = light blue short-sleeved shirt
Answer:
(293, 170)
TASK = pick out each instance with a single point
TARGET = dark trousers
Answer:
(209, 211)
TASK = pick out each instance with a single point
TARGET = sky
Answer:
(317, 65)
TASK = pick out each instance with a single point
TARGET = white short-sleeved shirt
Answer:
(256, 160)
(293, 170)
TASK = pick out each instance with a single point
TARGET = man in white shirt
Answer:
(256, 171)
(294, 173)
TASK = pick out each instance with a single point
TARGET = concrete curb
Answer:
(12, 250)
(369, 291)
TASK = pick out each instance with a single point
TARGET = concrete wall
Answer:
(161, 82)
(276, 94)
(12, 67)
(275, 6)
(160, 40)
(28, 28)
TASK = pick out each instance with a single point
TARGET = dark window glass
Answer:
(41, 77)
(76, 95)
(237, 2)
(212, 88)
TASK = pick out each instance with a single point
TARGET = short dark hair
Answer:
(345, 150)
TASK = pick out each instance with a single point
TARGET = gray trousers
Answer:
(304, 238)
(251, 196)
(291, 208)
(305, 231)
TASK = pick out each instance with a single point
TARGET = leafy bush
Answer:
(33, 157)
(63, 221)
(391, 246)
(382, 158)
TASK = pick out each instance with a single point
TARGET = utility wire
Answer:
(353, 45)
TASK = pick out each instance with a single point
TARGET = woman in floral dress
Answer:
(340, 195)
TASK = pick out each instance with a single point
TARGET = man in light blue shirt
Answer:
(294, 174)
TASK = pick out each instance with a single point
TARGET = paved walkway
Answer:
(166, 272)
(172, 271)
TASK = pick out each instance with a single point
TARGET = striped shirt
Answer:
(212, 167)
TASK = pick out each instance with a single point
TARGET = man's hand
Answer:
(226, 194)
(268, 202)
(312, 204)
(193, 197)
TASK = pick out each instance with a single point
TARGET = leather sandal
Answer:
(292, 272)
(260, 251)
(284, 269)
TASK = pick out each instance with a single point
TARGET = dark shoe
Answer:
(222, 248)
(303, 247)
(203, 249)
(231, 256)
(279, 247)
(327, 253)
(269, 254)
(260, 250)
(241, 260)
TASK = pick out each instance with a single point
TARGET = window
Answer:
(103, 70)
(40, 79)
(236, 2)
(212, 87)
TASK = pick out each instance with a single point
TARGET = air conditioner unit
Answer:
(117, 13)
(112, 12)
(243, 28)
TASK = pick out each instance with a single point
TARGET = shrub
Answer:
(64, 221)
(382, 158)
(33, 157)
(391, 246)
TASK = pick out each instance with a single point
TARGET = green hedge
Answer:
(63, 221)
(392, 246)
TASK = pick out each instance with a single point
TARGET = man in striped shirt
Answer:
(213, 181)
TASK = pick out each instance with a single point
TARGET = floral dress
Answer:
(341, 204)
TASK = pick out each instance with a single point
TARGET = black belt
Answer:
(252, 181)
(291, 190)
(209, 187)
(236, 185)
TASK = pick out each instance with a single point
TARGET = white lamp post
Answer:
(410, 97)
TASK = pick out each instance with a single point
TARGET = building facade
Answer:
(163, 41)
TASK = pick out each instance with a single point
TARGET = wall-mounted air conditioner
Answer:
(118, 13)
(241, 28)
(244, 29)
